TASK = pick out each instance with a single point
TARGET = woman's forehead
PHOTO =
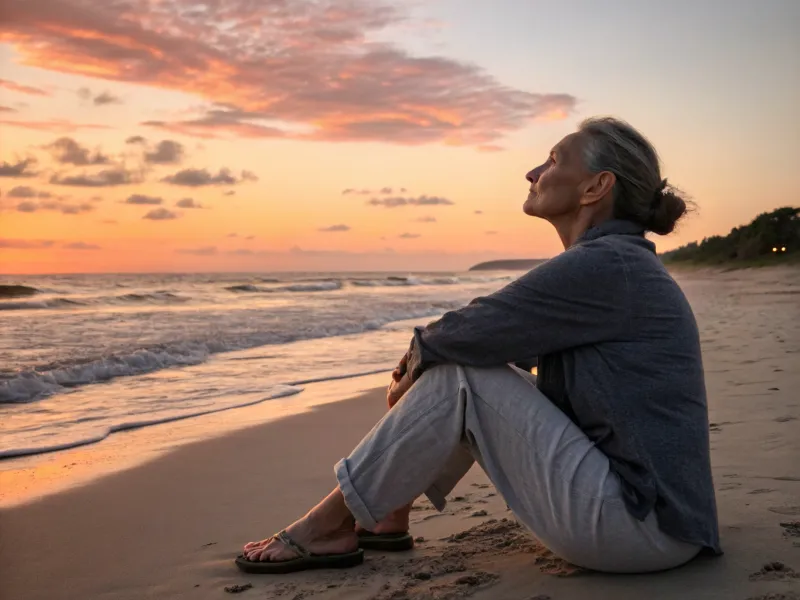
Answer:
(568, 144)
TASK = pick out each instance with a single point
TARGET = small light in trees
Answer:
(774, 249)
(783, 248)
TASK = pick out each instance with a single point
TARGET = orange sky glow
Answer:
(228, 135)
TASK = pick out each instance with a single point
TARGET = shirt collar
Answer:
(611, 227)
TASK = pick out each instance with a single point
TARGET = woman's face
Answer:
(555, 188)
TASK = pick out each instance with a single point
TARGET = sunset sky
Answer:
(261, 135)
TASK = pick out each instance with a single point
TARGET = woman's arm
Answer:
(579, 297)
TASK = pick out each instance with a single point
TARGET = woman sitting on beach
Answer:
(604, 456)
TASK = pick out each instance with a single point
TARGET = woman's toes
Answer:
(251, 545)
(255, 554)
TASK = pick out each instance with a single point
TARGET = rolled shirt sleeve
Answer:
(579, 297)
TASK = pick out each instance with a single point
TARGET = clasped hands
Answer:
(400, 384)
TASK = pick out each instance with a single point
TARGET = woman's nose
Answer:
(532, 176)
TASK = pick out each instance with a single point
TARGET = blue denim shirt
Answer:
(618, 350)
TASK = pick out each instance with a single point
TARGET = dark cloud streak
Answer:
(161, 214)
(167, 152)
(67, 151)
(143, 200)
(203, 177)
(188, 203)
(105, 178)
(20, 168)
(397, 201)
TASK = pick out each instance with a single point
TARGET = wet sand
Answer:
(169, 528)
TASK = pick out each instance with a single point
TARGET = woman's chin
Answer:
(529, 207)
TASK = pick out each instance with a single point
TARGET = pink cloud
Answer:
(302, 69)
(23, 89)
(54, 125)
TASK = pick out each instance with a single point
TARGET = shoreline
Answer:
(28, 478)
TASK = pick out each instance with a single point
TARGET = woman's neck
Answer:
(571, 227)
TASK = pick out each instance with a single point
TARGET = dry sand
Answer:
(171, 527)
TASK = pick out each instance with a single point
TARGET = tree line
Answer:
(770, 236)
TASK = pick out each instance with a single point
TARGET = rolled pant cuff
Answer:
(353, 501)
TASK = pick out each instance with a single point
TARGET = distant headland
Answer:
(518, 264)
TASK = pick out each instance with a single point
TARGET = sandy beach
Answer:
(170, 528)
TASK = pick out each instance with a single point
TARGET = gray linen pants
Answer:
(554, 479)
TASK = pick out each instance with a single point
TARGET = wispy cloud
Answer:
(7, 109)
(21, 168)
(334, 228)
(367, 192)
(397, 201)
(203, 177)
(217, 124)
(161, 214)
(81, 246)
(202, 251)
(141, 199)
(26, 192)
(23, 89)
(25, 244)
(136, 139)
(306, 70)
(105, 178)
(426, 220)
(53, 125)
(67, 151)
(478, 212)
(65, 208)
(98, 99)
(491, 233)
(409, 236)
(188, 203)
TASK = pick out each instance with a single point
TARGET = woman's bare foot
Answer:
(326, 529)
(395, 522)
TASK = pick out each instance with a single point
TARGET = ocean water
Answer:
(83, 356)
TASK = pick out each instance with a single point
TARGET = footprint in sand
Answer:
(729, 486)
(790, 510)
(762, 491)
(429, 517)
(791, 528)
(774, 571)
(776, 596)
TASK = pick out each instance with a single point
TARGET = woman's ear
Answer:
(598, 187)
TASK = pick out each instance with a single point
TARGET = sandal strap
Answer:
(287, 540)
